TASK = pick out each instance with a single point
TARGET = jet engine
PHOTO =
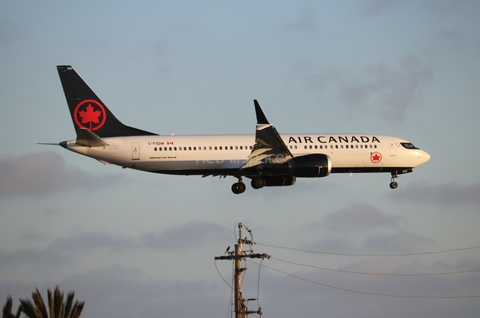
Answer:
(310, 166)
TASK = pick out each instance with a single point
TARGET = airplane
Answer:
(267, 158)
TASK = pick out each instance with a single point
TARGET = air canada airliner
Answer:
(267, 158)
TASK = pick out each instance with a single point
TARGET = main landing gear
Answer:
(238, 187)
(257, 183)
(393, 183)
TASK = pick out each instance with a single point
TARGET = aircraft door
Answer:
(135, 151)
(392, 147)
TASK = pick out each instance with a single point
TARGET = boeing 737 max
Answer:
(267, 158)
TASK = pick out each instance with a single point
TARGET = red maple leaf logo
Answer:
(90, 114)
(376, 157)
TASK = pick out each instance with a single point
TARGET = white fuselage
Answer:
(225, 154)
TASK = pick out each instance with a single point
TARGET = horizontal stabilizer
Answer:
(87, 138)
(48, 143)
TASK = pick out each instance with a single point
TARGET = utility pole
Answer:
(241, 310)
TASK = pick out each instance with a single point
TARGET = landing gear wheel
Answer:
(258, 183)
(393, 185)
(238, 187)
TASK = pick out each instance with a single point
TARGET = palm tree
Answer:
(57, 307)
(7, 309)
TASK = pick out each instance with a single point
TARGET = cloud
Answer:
(118, 291)
(395, 91)
(389, 91)
(8, 32)
(314, 291)
(305, 22)
(63, 250)
(44, 173)
(378, 6)
(395, 242)
(400, 242)
(362, 228)
(359, 216)
(193, 233)
(449, 194)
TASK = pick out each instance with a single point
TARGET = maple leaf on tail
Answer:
(90, 116)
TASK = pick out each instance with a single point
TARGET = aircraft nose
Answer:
(424, 156)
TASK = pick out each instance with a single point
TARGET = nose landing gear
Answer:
(393, 183)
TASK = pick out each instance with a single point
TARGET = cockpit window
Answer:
(408, 145)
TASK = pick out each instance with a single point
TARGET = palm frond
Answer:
(40, 309)
(28, 308)
(68, 305)
(77, 309)
(56, 308)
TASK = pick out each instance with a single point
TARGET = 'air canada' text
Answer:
(333, 139)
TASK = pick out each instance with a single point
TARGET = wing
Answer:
(269, 147)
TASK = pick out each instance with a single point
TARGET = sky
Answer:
(134, 244)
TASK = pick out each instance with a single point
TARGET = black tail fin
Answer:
(88, 111)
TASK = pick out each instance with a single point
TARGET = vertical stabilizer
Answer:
(88, 111)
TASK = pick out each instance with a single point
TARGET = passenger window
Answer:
(155, 149)
(241, 147)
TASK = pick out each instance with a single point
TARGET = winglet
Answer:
(261, 119)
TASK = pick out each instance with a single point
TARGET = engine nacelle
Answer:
(279, 181)
(310, 166)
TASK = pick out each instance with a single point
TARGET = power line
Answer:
(375, 274)
(366, 293)
(220, 274)
(369, 254)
